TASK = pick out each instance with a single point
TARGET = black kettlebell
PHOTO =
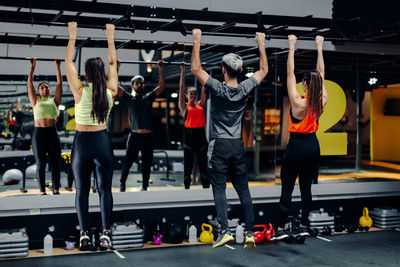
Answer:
(299, 239)
(175, 233)
(351, 228)
(289, 240)
(339, 228)
(326, 230)
(313, 231)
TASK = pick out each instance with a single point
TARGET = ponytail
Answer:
(95, 71)
(314, 82)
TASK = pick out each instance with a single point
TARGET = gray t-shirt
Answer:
(227, 106)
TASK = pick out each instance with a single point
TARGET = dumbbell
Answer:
(327, 230)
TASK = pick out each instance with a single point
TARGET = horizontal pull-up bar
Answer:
(28, 58)
(165, 62)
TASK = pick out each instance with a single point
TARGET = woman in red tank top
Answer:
(195, 141)
(302, 153)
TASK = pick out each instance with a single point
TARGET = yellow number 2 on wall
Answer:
(331, 143)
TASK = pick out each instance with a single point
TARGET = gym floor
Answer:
(378, 248)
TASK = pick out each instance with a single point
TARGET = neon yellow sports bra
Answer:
(83, 109)
(45, 108)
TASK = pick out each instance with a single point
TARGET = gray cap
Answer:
(233, 61)
(137, 77)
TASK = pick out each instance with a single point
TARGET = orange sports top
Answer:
(195, 117)
(309, 124)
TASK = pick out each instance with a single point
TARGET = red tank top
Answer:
(195, 117)
(308, 125)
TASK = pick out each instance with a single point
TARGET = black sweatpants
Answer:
(92, 150)
(45, 142)
(301, 159)
(142, 142)
(223, 154)
(195, 143)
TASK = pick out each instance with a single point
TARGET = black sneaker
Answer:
(301, 231)
(68, 188)
(84, 242)
(280, 235)
(105, 240)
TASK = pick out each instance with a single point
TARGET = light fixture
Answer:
(174, 95)
(372, 80)
(61, 107)
(249, 74)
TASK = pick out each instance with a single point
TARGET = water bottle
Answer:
(192, 234)
(239, 234)
(48, 242)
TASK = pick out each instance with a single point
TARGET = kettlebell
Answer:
(327, 230)
(206, 236)
(365, 220)
(299, 239)
(270, 233)
(313, 231)
(351, 228)
(259, 237)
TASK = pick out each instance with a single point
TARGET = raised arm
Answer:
(319, 41)
(161, 79)
(263, 71)
(72, 75)
(294, 96)
(19, 108)
(31, 88)
(112, 83)
(181, 103)
(196, 68)
(58, 94)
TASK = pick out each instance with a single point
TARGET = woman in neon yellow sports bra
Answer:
(92, 145)
(45, 139)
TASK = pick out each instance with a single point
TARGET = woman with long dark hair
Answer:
(194, 139)
(92, 145)
(302, 153)
(45, 141)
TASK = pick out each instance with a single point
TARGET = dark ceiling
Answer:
(353, 21)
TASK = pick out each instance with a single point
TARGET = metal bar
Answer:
(125, 44)
(28, 58)
(168, 46)
(165, 62)
(35, 40)
(57, 16)
(116, 21)
(359, 123)
(165, 26)
(209, 48)
(223, 27)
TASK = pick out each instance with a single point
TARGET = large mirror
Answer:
(357, 134)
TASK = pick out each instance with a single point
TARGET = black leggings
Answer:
(301, 159)
(143, 143)
(195, 143)
(92, 150)
(45, 142)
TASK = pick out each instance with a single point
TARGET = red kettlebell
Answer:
(270, 233)
(259, 237)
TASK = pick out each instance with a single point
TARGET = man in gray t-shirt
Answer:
(226, 147)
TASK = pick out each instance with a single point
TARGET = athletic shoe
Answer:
(56, 193)
(84, 242)
(280, 234)
(143, 189)
(223, 238)
(68, 188)
(301, 231)
(105, 240)
(249, 242)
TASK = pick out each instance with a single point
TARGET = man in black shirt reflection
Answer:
(141, 137)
